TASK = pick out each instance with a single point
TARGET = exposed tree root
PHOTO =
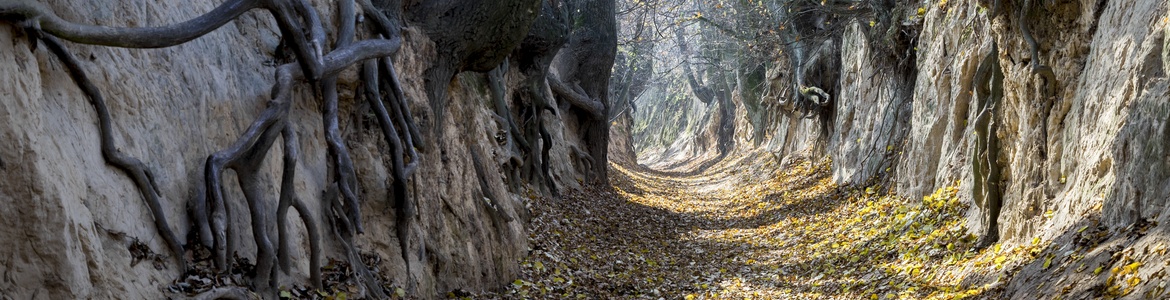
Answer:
(496, 83)
(246, 154)
(577, 98)
(493, 197)
(583, 157)
(436, 79)
(344, 231)
(133, 167)
(288, 198)
(536, 52)
(1038, 68)
(512, 139)
(546, 145)
(46, 25)
(149, 37)
(318, 64)
(405, 210)
(984, 160)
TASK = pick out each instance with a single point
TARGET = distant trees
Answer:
(738, 47)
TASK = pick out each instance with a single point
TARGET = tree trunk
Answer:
(586, 62)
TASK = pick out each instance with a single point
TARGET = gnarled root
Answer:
(245, 155)
(300, 24)
(288, 199)
(46, 26)
(583, 158)
(984, 164)
(344, 231)
(815, 95)
(405, 209)
(493, 198)
(1037, 68)
(577, 98)
(133, 167)
(513, 140)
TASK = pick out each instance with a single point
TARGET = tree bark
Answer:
(587, 62)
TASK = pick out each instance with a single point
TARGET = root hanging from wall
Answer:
(302, 29)
(985, 159)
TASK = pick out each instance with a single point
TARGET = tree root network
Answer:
(316, 63)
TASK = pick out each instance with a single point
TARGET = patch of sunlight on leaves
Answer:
(755, 230)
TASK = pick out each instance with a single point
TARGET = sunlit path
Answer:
(750, 227)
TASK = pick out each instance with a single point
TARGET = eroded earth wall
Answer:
(68, 219)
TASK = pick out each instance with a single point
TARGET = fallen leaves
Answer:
(752, 228)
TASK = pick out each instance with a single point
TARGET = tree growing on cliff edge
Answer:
(470, 35)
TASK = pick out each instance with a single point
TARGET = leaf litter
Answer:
(753, 228)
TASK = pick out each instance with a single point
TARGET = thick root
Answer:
(134, 168)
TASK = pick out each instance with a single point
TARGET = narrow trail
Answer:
(748, 227)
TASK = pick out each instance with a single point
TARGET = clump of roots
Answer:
(317, 64)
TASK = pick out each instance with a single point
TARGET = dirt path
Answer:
(747, 227)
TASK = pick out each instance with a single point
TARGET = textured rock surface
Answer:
(937, 152)
(69, 218)
(1096, 145)
(871, 114)
(951, 44)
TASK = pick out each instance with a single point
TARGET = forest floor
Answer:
(749, 227)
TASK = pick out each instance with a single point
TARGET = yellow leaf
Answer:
(690, 297)
(1047, 262)
(1132, 268)
(1098, 270)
